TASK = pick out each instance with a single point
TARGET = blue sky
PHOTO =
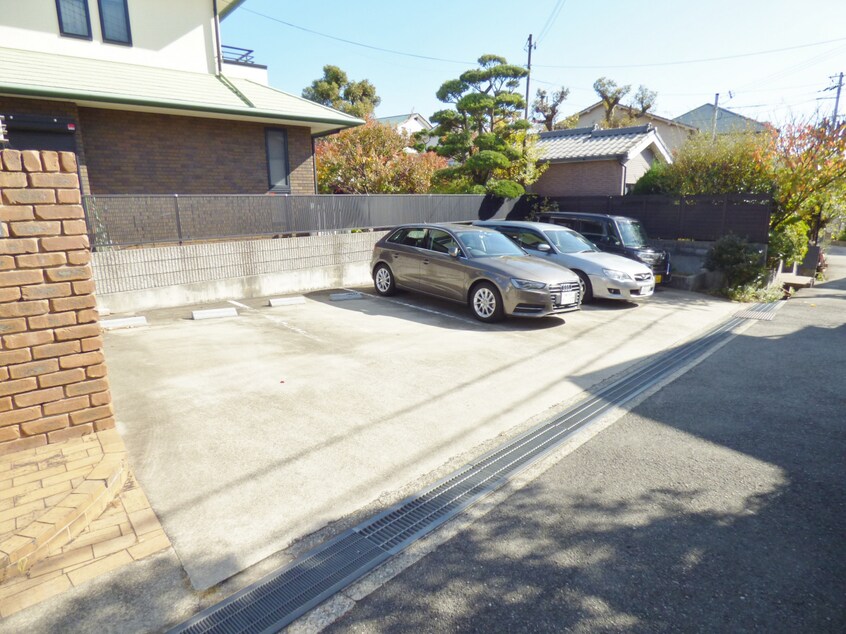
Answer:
(651, 42)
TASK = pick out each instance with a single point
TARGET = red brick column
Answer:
(53, 383)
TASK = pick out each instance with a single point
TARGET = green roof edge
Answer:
(230, 8)
(163, 103)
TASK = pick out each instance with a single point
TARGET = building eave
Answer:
(83, 98)
(228, 7)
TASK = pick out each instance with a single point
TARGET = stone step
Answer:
(60, 523)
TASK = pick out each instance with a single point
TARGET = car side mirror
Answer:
(454, 252)
(544, 247)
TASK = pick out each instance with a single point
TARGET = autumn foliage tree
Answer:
(373, 159)
(802, 165)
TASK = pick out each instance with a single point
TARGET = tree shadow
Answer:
(715, 505)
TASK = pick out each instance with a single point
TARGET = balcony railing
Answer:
(237, 55)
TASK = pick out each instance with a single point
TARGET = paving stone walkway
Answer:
(69, 512)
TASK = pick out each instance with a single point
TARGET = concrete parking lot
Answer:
(251, 432)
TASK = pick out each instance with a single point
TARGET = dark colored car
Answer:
(615, 234)
(475, 266)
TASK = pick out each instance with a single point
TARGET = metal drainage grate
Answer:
(283, 596)
(764, 312)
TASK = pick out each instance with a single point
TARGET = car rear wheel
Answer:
(486, 303)
(383, 280)
(586, 288)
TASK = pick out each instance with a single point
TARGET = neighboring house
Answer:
(702, 118)
(673, 133)
(594, 162)
(141, 91)
(409, 123)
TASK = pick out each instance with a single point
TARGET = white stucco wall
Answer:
(165, 33)
(638, 165)
(673, 136)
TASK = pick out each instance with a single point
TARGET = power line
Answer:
(694, 61)
(784, 72)
(549, 21)
(345, 41)
(553, 16)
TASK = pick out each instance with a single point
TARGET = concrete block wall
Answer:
(53, 380)
(141, 279)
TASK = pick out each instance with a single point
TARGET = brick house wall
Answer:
(588, 178)
(126, 152)
(53, 383)
(14, 105)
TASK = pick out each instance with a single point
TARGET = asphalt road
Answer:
(715, 505)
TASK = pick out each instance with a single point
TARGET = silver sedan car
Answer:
(602, 274)
(473, 265)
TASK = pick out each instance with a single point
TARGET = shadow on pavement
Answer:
(716, 505)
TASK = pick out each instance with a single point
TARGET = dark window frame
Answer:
(272, 186)
(62, 23)
(128, 41)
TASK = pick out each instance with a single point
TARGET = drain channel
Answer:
(284, 595)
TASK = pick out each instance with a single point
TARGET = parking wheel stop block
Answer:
(339, 297)
(286, 301)
(214, 313)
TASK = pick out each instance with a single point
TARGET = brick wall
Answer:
(53, 383)
(123, 152)
(590, 178)
(141, 153)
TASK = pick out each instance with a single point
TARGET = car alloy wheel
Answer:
(585, 286)
(383, 280)
(486, 303)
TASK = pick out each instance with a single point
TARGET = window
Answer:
(530, 240)
(593, 230)
(441, 241)
(74, 20)
(114, 20)
(410, 236)
(278, 171)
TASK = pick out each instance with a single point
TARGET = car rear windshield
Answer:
(632, 233)
(480, 244)
(569, 241)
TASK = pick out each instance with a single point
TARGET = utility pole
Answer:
(714, 118)
(837, 100)
(528, 76)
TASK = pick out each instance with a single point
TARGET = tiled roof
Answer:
(402, 118)
(579, 144)
(727, 121)
(395, 120)
(92, 82)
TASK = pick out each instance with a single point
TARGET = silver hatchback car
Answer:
(472, 265)
(602, 274)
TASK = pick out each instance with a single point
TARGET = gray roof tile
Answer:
(590, 143)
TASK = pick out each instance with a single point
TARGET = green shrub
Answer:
(788, 243)
(753, 293)
(737, 260)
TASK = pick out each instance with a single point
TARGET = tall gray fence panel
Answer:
(118, 220)
(684, 218)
